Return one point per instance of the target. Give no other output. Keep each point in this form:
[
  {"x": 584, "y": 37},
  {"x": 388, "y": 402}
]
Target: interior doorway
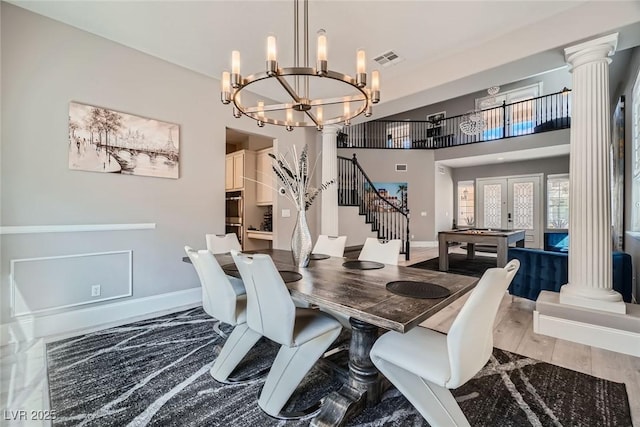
[{"x": 512, "y": 203}]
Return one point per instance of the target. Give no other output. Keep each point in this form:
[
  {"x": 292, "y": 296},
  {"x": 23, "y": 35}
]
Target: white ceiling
[
  {"x": 450, "y": 48},
  {"x": 429, "y": 35},
  {"x": 200, "y": 35}
]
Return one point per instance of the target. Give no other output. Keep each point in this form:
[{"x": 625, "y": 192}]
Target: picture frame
[
  {"x": 109, "y": 141},
  {"x": 396, "y": 193},
  {"x": 436, "y": 119}
]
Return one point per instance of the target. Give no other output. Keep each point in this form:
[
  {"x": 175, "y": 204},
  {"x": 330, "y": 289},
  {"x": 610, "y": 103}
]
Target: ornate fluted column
[
  {"x": 329, "y": 209},
  {"x": 590, "y": 281}
]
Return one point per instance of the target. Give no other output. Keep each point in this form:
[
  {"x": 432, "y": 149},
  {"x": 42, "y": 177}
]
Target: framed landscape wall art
[
  {"x": 395, "y": 192},
  {"x": 104, "y": 140}
]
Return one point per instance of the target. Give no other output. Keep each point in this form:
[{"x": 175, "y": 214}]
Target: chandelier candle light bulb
[
  {"x": 272, "y": 62},
  {"x": 369, "y": 111},
  {"x": 235, "y": 69},
  {"x": 322, "y": 53},
  {"x": 260, "y": 113},
  {"x": 226, "y": 87},
  {"x": 375, "y": 86},
  {"x": 236, "y": 113},
  {"x": 319, "y": 117},
  {"x": 289, "y": 119},
  {"x": 361, "y": 71},
  {"x": 347, "y": 112}
]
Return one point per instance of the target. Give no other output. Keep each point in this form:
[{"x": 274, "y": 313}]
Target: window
[
  {"x": 635, "y": 159},
  {"x": 399, "y": 135},
  {"x": 558, "y": 201},
  {"x": 520, "y": 112},
  {"x": 466, "y": 204}
]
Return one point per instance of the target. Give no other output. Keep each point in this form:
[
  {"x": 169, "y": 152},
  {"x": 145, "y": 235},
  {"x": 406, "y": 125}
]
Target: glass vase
[{"x": 301, "y": 240}]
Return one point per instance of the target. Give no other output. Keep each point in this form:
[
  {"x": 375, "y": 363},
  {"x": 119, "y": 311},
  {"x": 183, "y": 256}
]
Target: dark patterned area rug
[
  {"x": 156, "y": 373},
  {"x": 459, "y": 264}
]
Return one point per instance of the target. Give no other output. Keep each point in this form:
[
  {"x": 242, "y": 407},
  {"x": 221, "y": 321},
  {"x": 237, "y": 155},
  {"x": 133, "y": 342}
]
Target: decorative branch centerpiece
[{"x": 294, "y": 174}]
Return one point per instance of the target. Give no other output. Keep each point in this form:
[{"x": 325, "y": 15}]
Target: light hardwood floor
[
  {"x": 513, "y": 331},
  {"x": 24, "y": 384}
]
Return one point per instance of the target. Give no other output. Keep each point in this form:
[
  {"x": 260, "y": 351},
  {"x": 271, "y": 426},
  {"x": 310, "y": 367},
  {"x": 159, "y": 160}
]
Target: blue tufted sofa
[
  {"x": 542, "y": 270},
  {"x": 556, "y": 241}
]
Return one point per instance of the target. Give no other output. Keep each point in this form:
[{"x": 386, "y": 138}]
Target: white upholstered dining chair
[
  {"x": 222, "y": 243},
  {"x": 304, "y": 334},
  {"x": 424, "y": 364},
  {"x": 224, "y": 298},
  {"x": 330, "y": 245},
  {"x": 386, "y": 253}
]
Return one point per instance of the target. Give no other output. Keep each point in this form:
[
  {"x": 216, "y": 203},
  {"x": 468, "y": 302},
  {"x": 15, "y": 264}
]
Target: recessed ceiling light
[{"x": 500, "y": 158}]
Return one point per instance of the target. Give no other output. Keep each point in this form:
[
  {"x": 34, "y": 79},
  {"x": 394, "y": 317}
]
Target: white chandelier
[
  {"x": 474, "y": 123},
  {"x": 303, "y": 107}
]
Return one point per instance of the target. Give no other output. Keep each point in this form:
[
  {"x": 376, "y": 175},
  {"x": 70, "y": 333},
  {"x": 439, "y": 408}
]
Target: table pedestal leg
[
  {"x": 365, "y": 384},
  {"x": 502, "y": 252},
  {"x": 443, "y": 253},
  {"x": 471, "y": 250}
]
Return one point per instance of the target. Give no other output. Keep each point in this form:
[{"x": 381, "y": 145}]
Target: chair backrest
[
  {"x": 218, "y": 296},
  {"x": 330, "y": 245},
  {"x": 222, "y": 244},
  {"x": 270, "y": 309},
  {"x": 386, "y": 253},
  {"x": 470, "y": 339}
]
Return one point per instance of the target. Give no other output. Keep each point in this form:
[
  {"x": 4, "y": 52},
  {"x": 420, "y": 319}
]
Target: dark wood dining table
[{"x": 363, "y": 297}]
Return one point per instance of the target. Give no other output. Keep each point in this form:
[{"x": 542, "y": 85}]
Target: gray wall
[
  {"x": 546, "y": 166},
  {"x": 432, "y": 192},
  {"x": 380, "y": 167},
  {"x": 46, "y": 64},
  {"x": 353, "y": 225},
  {"x": 549, "y": 165},
  {"x": 552, "y": 82},
  {"x": 444, "y": 198}
]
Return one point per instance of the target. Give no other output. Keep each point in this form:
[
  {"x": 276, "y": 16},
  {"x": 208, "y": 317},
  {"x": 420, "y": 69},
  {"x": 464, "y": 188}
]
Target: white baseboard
[
  {"x": 424, "y": 244},
  {"x": 584, "y": 333},
  {"x": 31, "y": 327}
]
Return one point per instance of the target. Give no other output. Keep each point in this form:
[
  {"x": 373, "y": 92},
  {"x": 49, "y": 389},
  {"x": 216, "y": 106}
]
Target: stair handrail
[
  {"x": 394, "y": 209},
  {"x": 506, "y": 120},
  {"x": 500, "y": 107},
  {"x": 354, "y": 160}
]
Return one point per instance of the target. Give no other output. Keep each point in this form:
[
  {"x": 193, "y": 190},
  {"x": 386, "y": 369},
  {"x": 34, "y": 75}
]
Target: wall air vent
[
  {"x": 401, "y": 167},
  {"x": 388, "y": 58}
]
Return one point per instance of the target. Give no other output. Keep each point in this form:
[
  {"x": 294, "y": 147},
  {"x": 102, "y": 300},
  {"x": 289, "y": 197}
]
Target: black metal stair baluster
[
  {"x": 382, "y": 214},
  {"x": 502, "y": 121}
]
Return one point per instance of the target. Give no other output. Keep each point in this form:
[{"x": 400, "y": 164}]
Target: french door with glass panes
[{"x": 512, "y": 203}]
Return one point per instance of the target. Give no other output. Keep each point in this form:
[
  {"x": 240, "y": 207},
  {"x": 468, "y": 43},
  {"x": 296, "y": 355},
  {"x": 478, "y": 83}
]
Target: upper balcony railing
[{"x": 535, "y": 115}]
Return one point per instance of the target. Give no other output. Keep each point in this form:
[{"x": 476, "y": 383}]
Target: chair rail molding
[{"x": 71, "y": 228}]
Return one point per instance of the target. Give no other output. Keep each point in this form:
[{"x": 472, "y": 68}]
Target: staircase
[{"x": 388, "y": 219}]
